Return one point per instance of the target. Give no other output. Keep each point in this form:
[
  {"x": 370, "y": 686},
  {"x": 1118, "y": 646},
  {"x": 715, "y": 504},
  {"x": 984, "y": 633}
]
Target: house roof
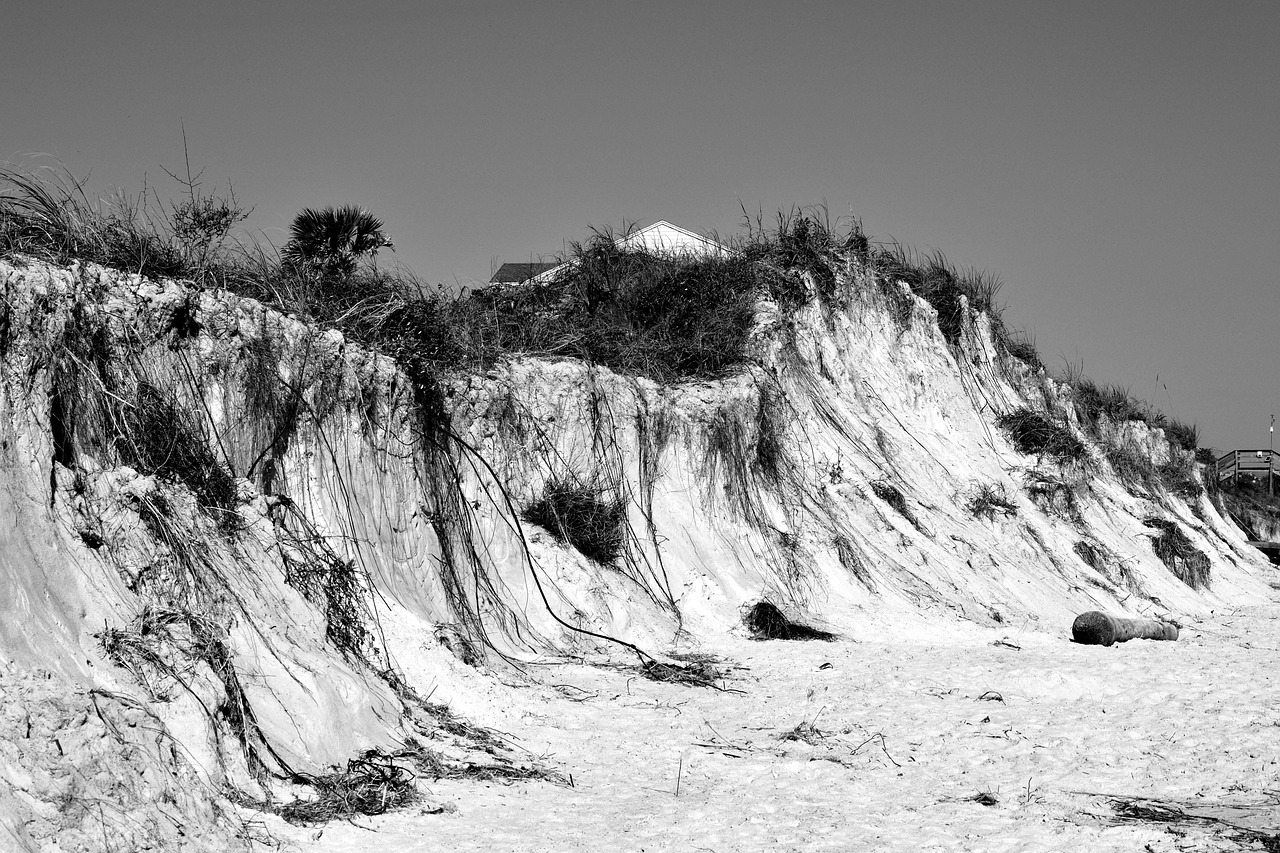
[
  {"x": 520, "y": 273},
  {"x": 659, "y": 238},
  {"x": 662, "y": 236}
]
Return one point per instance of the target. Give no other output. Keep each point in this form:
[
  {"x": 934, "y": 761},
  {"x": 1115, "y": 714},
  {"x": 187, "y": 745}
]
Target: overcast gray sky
[{"x": 1115, "y": 163}]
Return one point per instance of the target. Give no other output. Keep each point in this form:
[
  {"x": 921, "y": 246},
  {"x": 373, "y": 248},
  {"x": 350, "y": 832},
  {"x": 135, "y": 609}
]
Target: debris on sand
[
  {"x": 765, "y": 621},
  {"x": 1096, "y": 628}
]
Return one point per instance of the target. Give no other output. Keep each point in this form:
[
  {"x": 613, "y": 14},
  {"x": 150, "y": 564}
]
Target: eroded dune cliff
[{"x": 240, "y": 551}]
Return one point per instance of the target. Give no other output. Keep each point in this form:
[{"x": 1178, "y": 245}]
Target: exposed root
[
  {"x": 370, "y": 785},
  {"x": 697, "y": 673}
]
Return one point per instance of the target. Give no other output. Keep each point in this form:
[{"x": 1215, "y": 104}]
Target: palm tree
[{"x": 332, "y": 239}]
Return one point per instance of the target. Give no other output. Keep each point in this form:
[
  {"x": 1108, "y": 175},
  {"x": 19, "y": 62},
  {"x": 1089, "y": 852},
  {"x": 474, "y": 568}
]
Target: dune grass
[
  {"x": 1033, "y": 433},
  {"x": 1176, "y": 550},
  {"x": 581, "y": 516}
]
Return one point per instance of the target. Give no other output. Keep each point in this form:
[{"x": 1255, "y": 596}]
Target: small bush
[
  {"x": 765, "y": 621},
  {"x": 1032, "y": 432},
  {"x": 1187, "y": 562},
  {"x": 581, "y": 517}
]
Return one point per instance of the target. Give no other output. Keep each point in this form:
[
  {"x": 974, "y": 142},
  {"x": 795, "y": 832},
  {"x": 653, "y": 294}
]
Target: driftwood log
[{"x": 1102, "y": 629}]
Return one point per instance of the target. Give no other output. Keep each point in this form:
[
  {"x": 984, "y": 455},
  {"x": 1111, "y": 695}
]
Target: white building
[{"x": 660, "y": 238}]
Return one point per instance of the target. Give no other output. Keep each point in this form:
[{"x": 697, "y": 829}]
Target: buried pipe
[{"x": 1096, "y": 628}]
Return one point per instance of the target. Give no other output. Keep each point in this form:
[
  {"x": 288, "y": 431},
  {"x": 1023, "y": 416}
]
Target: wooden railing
[{"x": 1255, "y": 462}]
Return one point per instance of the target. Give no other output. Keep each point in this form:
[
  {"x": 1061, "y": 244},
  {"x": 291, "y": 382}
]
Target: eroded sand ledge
[{"x": 861, "y": 408}]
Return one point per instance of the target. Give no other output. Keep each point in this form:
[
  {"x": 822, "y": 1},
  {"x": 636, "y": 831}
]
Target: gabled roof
[
  {"x": 662, "y": 237},
  {"x": 659, "y": 238},
  {"x": 520, "y": 273}
]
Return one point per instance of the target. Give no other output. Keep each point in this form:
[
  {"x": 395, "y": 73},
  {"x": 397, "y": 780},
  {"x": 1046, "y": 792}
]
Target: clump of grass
[
  {"x": 850, "y": 559},
  {"x": 932, "y": 277},
  {"x": 1179, "y": 475},
  {"x": 582, "y": 517},
  {"x": 1022, "y": 346},
  {"x": 1207, "y": 456},
  {"x": 1187, "y": 562},
  {"x": 371, "y": 785},
  {"x": 157, "y": 437},
  {"x": 988, "y": 500},
  {"x": 660, "y": 316},
  {"x": 1092, "y": 556},
  {"x": 764, "y": 621},
  {"x": 804, "y": 242},
  {"x": 1182, "y": 435},
  {"x": 1133, "y": 466},
  {"x": 1096, "y": 403},
  {"x": 897, "y": 302},
  {"x": 892, "y": 495},
  {"x": 1093, "y": 401},
  {"x": 1031, "y": 432},
  {"x": 47, "y": 214},
  {"x": 1054, "y": 495}
]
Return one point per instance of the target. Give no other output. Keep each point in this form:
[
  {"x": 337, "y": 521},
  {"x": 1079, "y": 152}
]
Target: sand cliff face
[{"x": 274, "y": 621}]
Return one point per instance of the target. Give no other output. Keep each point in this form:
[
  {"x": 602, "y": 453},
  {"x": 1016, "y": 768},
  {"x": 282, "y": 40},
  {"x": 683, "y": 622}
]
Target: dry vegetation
[{"x": 1179, "y": 553}]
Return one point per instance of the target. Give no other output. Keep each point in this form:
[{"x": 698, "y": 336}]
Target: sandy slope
[
  {"x": 1060, "y": 726},
  {"x": 773, "y": 482}
]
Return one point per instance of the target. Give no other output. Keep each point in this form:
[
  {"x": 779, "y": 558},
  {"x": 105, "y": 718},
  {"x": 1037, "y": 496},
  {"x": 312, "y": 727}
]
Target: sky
[{"x": 1115, "y": 163}]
